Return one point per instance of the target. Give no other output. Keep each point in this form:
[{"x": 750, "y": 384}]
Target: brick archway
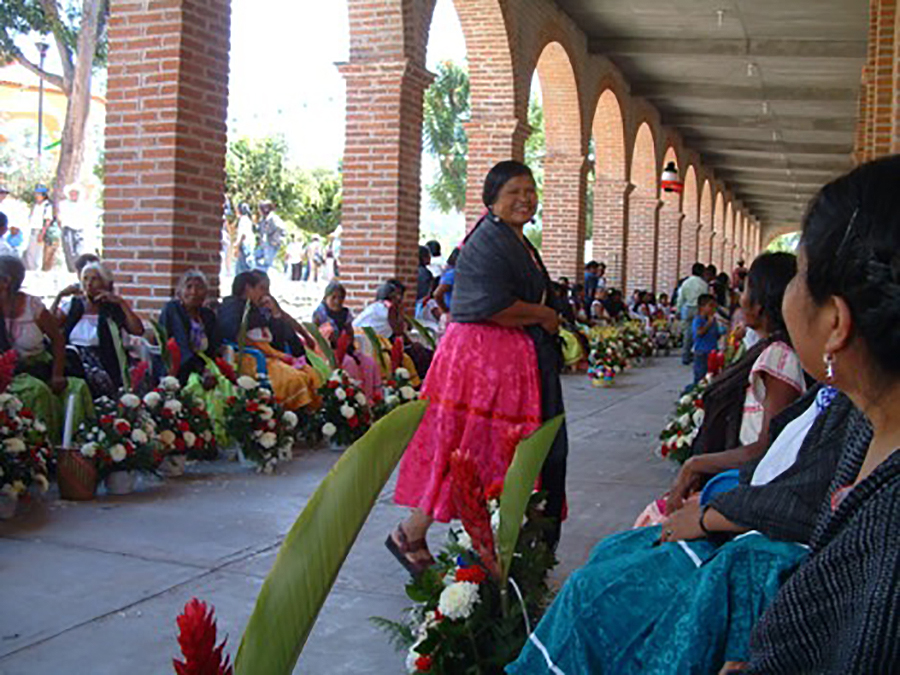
[
  {"x": 728, "y": 257},
  {"x": 643, "y": 212},
  {"x": 718, "y": 242},
  {"x": 565, "y": 166},
  {"x": 705, "y": 230},
  {"x": 611, "y": 187},
  {"x": 669, "y": 240},
  {"x": 691, "y": 206}
]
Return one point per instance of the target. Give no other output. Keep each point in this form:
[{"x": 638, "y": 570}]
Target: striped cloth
[{"x": 840, "y": 612}]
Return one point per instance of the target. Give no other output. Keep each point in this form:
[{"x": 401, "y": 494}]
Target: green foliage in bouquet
[
  {"x": 396, "y": 391},
  {"x": 264, "y": 430},
  {"x": 25, "y": 449},
  {"x": 677, "y": 438},
  {"x": 121, "y": 438},
  {"x": 344, "y": 416},
  {"x": 182, "y": 424}
]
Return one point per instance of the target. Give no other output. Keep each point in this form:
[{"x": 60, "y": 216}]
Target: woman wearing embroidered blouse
[
  {"x": 41, "y": 382},
  {"x": 495, "y": 376},
  {"x": 839, "y": 612},
  {"x": 89, "y": 318}
]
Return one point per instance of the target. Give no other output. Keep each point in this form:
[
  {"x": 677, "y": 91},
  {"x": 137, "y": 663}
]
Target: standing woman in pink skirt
[{"x": 495, "y": 377}]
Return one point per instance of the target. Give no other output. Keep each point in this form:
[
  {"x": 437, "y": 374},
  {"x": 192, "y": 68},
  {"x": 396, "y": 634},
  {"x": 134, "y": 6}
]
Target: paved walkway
[{"x": 94, "y": 588}]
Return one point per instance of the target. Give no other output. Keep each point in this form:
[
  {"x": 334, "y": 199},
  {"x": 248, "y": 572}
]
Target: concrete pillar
[
  {"x": 565, "y": 178},
  {"x": 669, "y": 248},
  {"x": 165, "y": 144},
  {"x": 382, "y": 168},
  {"x": 643, "y": 229},
  {"x": 611, "y": 228}
]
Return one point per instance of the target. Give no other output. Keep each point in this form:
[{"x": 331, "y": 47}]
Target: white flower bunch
[
  {"x": 130, "y": 400},
  {"x": 170, "y": 383},
  {"x": 458, "y": 600},
  {"x": 328, "y": 430},
  {"x": 247, "y": 382},
  {"x": 152, "y": 399},
  {"x": 289, "y": 418}
]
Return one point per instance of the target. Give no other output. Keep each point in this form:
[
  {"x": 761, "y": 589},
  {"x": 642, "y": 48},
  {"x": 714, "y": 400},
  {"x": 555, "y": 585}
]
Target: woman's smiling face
[{"x": 517, "y": 201}]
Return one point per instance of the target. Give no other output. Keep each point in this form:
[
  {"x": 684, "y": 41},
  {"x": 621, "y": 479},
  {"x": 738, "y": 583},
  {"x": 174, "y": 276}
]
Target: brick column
[
  {"x": 718, "y": 250},
  {"x": 611, "y": 228},
  {"x": 381, "y": 173},
  {"x": 704, "y": 243},
  {"x": 565, "y": 178},
  {"x": 643, "y": 229},
  {"x": 882, "y": 73},
  {"x": 689, "y": 232},
  {"x": 167, "y": 99},
  {"x": 669, "y": 253},
  {"x": 490, "y": 141}
]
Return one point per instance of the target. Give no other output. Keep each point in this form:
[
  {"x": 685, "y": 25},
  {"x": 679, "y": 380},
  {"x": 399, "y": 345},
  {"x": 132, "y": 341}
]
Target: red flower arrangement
[{"x": 468, "y": 497}]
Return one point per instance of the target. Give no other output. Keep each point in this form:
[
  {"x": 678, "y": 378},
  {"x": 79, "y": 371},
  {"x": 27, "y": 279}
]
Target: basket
[{"x": 76, "y": 475}]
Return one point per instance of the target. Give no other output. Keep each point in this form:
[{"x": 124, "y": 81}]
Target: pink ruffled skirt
[{"x": 484, "y": 397}]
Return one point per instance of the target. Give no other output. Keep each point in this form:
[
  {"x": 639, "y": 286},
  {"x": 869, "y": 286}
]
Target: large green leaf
[
  {"x": 518, "y": 486},
  {"x": 319, "y": 365},
  {"x": 162, "y": 339},
  {"x": 324, "y": 345},
  {"x": 314, "y": 550},
  {"x": 424, "y": 331},
  {"x": 377, "y": 349},
  {"x": 121, "y": 357}
]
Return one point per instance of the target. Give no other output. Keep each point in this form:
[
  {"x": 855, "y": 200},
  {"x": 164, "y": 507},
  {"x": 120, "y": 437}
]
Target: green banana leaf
[
  {"x": 319, "y": 365},
  {"x": 242, "y": 334},
  {"x": 162, "y": 339},
  {"x": 518, "y": 486},
  {"x": 324, "y": 345},
  {"x": 425, "y": 332},
  {"x": 377, "y": 349},
  {"x": 120, "y": 354},
  {"x": 315, "y": 548}
]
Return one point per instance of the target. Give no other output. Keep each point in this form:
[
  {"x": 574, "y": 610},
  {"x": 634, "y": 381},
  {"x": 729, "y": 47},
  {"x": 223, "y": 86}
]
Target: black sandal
[{"x": 404, "y": 548}]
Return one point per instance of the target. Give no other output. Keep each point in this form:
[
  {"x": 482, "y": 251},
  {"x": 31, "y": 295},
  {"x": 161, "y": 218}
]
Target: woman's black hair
[
  {"x": 768, "y": 278},
  {"x": 851, "y": 238},
  {"x": 499, "y": 176},
  {"x": 334, "y": 286},
  {"x": 424, "y": 255},
  {"x": 244, "y": 280},
  {"x": 454, "y": 256},
  {"x": 388, "y": 288}
]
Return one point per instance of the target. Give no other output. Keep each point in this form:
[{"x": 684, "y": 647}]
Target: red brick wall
[
  {"x": 610, "y": 242},
  {"x": 643, "y": 227},
  {"x": 165, "y": 143},
  {"x": 878, "y": 127},
  {"x": 565, "y": 177},
  {"x": 669, "y": 248}
]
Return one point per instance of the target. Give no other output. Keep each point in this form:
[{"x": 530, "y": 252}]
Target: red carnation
[
  {"x": 252, "y": 406},
  {"x": 183, "y": 425},
  {"x": 353, "y": 422},
  {"x": 123, "y": 427},
  {"x": 231, "y": 400},
  {"x": 26, "y": 413},
  {"x": 197, "y": 640},
  {"x": 106, "y": 419},
  {"x": 392, "y": 384},
  {"x": 351, "y": 391},
  {"x": 180, "y": 445},
  {"x": 167, "y": 413},
  {"x": 474, "y": 574},
  {"x": 331, "y": 384},
  {"x": 423, "y": 664}
]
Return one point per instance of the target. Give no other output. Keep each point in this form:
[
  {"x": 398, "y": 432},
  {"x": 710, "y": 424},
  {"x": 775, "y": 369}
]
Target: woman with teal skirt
[
  {"x": 40, "y": 381},
  {"x": 193, "y": 327}
]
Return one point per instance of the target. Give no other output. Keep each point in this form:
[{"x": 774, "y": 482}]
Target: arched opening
[
  {"x": 564, "y": 166},
  {"x": 669, "y": 246},
  {"x": 704, "y": 232},
  {"x": 611, "y": 187},
  {"x": 718, "y": 246},
  {"x": 690, "y": 205},
  {"x": 787, "y": 242},
  {"x": 643, "y": 212}
]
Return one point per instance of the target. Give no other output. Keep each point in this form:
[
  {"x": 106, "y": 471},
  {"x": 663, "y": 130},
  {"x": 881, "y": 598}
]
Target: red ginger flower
[
  {"x": 138, "y": 373},
  {"x": 495, "y": 490},
  {"x": 8, "y": 360},
  {"x": 226, "y": 369},
  {"x": 343, "y": 344},
  {"x": 467, "y": 493},
  {"x": 396, "y": 354},
  {"x": 175, "y": 354},
  {"x": 198, "y": 642}
]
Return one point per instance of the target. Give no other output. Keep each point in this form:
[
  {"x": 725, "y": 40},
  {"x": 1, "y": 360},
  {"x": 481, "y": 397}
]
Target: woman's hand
[
  {"x": 58, "y": 384},
  {"x": 687, "y": 481},
  {"x": 684, "y": 524},
  {"x": 71, "y": 289},
  {"x": 550, "y": 320},
  {"x": 732, "y": 666},
  {"x": 109, "y": 297}
]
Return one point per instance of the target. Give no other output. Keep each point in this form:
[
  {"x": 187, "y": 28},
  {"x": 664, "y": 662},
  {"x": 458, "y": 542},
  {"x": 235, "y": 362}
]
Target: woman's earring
[{"x": 829, "y": 367}]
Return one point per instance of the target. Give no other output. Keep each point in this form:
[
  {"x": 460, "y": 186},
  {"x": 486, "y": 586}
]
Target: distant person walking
[
  {"x": 39, "y": 220},
  {"x": 271, "y": 233},
  {"x": 74, "y": 217},
  {"x": 688, "y": 295}
]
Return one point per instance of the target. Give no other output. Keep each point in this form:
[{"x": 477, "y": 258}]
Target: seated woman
[
  {"x": 774, "y": 380},
  {"x": 88, "y": 319},
  {"x": 333, "y": 319},
  {"x": 443, "y": 294},
  {"x": 294, "y": 384},
  {"x": 384, "y": 316},
  {"x": 193, "y": 327},
  {"x": 40, "y": 381},
  {"x": 682, "y": 598},
  {"x": 838, "y": 613}
]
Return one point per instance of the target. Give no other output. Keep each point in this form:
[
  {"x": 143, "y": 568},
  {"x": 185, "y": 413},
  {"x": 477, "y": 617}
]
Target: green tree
[
  {"x": 786, "y": 243},
  {"x": 535, "y": 151},
  {"x": 79, "y": 35},
  {"x": 446, "y": 108}
]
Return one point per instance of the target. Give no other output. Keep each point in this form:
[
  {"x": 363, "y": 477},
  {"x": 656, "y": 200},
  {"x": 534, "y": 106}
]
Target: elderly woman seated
[
  {"x": 294, "y": 382},
  {"x": 89, "y": 317},
  {"x": 333, "y": 320},
  {"x": 40, "y": 381},
  {"x": 385, "y": 317}
]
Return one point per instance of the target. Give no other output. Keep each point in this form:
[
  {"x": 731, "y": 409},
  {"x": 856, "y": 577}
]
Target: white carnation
[
  {"x": 698, "y": 416},
  {"x": 42, "y": 482},
  {"x": 167, "y": 437},
  {"x": 328, "y": 430},
  {"x": 347, "y": 411},
  {"x": 340, "y": 394},
  {"x": 284, "y": 453},
  {"x": 391, "y": 401},
  {"x": 40, "y": 426},
  {"x": 139, "y": 436},
  {"x": 681, "y": 442},
  {"x": 170, "y": 383},
  {"x": 458, "y": 600},
  {"x": 684, "y": 421},
  {"x": 268, "y": 440},
  {"x": 360, "y": 398},
  {"x": 152, "y": 399},
  {"x": 89, "y": 449},
  {"x": 207, "y": 435},
  {"x": 247, "y": 382},
  {"x": 174, "y": 405},
  {"x": 130, "y": 400},
  {"x": 408, "y": 393},
  {"x": 265, "y": 412},
  {"x": 189, "y": 439},
  {"x": 464, "y": 540},
  {"x": 402, "y": 373},
  {"x": 14, "y": 445},
  {"x": 685, "y": 400},
  {"x": 118, "y": 452},
  {"x": 290, "y": 419}
]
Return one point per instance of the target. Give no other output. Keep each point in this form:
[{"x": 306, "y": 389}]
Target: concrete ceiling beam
[
  {"x": 725, "y": 146},
  {"x": 760, "y": 48},
  {"x": 755, "y": 92},
  {"x": 785, "y": 123},
  {"x": 796, "y": 165}
]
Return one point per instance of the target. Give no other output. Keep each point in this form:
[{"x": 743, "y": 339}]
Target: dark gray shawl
[
  {"x": 840, "y": 611},
  {"x": 787, "y": 507}
]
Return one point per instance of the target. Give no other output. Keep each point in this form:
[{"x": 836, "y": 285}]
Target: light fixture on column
[
  {"x": 670, "y": 182},
  {"x": 751, "y": 70}
]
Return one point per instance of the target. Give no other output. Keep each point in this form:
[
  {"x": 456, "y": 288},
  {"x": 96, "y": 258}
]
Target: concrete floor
[{"x": 94, "y": 588}]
